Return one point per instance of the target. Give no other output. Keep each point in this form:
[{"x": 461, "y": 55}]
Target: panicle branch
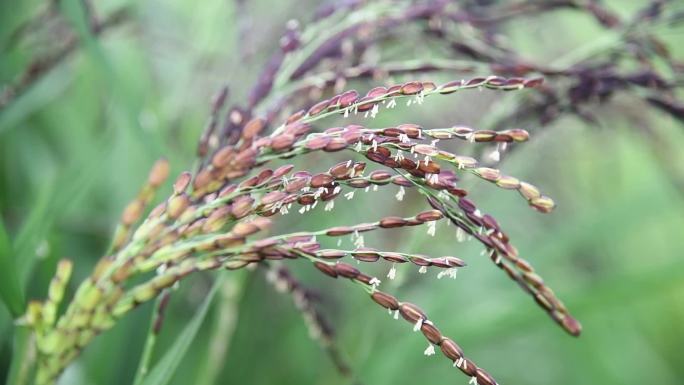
[
  {"x": 212, "y": 218},
  {"x": 320, "y": 328}
]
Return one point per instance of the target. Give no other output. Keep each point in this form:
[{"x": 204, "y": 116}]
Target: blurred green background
[{"x": 77, "y": 145}]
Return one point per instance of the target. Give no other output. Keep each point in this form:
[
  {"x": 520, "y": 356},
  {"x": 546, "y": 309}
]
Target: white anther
[
  {"x": 392, "y": 272},
  {"x": 432, "y": 228},
  {"x": 400, "y": 194},
  {"x": 430, "y": 350},
  {"x": 374, "y": 111},
  {"x": 495, "y": 155},
  {"x": 418, "y": 324},
  {"x": 451, "y": 273}
]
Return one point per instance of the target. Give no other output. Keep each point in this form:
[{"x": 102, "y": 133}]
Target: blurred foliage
[{"x": 76, "y": 146}]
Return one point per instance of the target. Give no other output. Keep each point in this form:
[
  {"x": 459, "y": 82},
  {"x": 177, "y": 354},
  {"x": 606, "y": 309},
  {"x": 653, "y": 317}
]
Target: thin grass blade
[{"x": 162, "y": 373}]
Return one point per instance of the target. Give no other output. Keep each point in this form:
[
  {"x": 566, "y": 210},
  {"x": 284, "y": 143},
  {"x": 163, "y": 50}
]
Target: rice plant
[{"x": 251, "y": 171}]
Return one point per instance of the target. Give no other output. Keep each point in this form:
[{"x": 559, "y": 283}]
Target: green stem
[
  {"x": 23, "y": 357},
  {"x": 151, "y": 340}
]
